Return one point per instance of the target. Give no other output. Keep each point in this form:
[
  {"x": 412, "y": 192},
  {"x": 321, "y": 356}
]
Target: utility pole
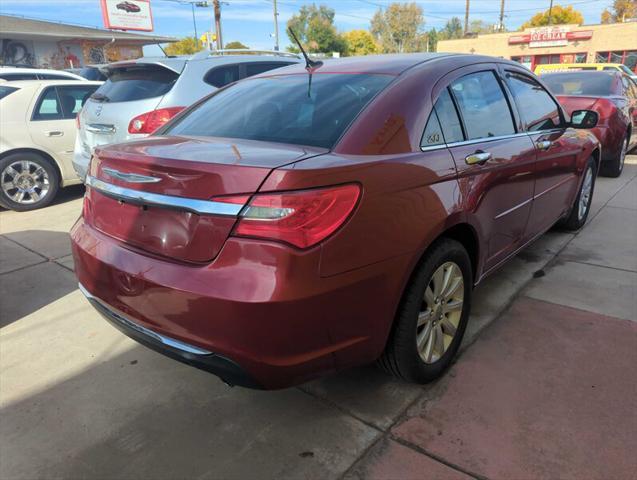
[
  {"x": 276, "y": 27},
  {"x": 217, "y": 10},
  {"x": 501, "y": 26},
  {"x": 550, "y": 12},
  {"x": 194, "y": 23},
  {"x": 466, "y": 18}
]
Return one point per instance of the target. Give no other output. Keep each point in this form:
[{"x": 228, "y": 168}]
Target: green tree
[
  {"x": 559, "y": 16},
  {"x": 432, "y": 40},
  {"x": 480, "y": 26},
  {"x": 621, "y": 11},
  {"x": 314, "y": 26},
  {"x": 236, "y": 45},
  {"x": 452, "y": 29},
  {"x": 398, "y": 28},
  {"x": 360, "y": 42},
  {"x": 185, "y": 46}
]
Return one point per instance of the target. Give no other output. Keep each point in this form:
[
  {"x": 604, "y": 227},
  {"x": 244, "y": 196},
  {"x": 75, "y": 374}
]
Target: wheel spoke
[
  {"x": 423, "y": 336},
  {"x": 429, "y": 347},
  {"x": 438, "y": 279},
  {"x": 6, "y": 186},
  {"x": 440, "y": 342},
  {"x": 452, "y": 306},
  {"x": 423, "y": 317},
  {"x": 35, "y": 196},
  {"x": 448, "y": 328},
  {"x": 429, "y": 296},
  {"x": 12, "y": 172},
  {"x": 18, "y": 196},
  {"x": 453, "y": 286},
  {"x": 26, "y": 166}
]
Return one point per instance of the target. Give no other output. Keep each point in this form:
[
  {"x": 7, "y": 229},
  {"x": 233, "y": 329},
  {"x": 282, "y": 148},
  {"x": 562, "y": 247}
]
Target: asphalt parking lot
[{"x": 546, "y": 385}]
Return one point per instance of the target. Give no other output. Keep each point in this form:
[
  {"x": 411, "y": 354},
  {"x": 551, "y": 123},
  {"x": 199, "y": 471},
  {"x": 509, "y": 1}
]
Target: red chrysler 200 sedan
[
  {"x": 305, "y": 221},
  {"x": 613, "y": 95}
]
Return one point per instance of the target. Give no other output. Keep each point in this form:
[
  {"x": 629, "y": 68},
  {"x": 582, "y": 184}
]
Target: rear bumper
[
  {"x": 80, "y": 161},
  {"x": 224, "y": 368},
  {"x": 260, "y": 315}
]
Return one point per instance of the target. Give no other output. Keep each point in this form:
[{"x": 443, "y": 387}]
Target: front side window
[
  {"x": 72, "y": 99},
  {"x": 283, "y": 109},
  {"x": 483, "y": 106},
  {"x": 48, "y": 107},
  {"x": 534, "y": 103}
]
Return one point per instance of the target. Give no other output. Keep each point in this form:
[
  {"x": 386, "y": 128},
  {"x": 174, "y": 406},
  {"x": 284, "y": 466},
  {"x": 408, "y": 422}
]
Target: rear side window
[
  {"x": 72, "y": 99},
  {"x": 53, "y": 76},
  {"x": 254, "y": 68},
  {"x": 283, "y": 109},
  {"x": 483, "y": 106},
  {"x": 18, "y": 76},
  {"x": 4, "y": 91},
  {"x": 534, "y": 103},
  {"x": 92, "y": 73},
  {"x": 127, "y": 84},
  {"x": 48, "y": 106},
  {"x": 443, "y": 124},
  {"x": 222, "y": 76}
]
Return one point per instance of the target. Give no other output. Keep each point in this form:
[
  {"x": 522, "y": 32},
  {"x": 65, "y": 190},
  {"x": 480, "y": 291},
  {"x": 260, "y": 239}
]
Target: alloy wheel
[
  {"x": 440, "y": 313},
  {"x": 585, "y": 194},
  {"x": 25, "y": 182}
]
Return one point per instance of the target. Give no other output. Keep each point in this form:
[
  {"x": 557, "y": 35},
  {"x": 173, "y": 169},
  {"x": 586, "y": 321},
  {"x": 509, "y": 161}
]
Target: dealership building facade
[
  {"x": 38, "y": 43},
  {"x": 609, "y": 43}
]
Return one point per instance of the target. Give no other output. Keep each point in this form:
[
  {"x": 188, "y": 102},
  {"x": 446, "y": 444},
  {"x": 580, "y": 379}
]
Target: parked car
[
  {"x": 91, "y": 72},
  {"x": 128, "y": 7},
  {"x": 141, "y": 95},
  {"x": 37, "y": 134},
  {"x": 614, "y": 97},
  {"x": 570, "y": 67},
  {"x": 11, "y": 74},
  {"x": 332, "y": 218}
]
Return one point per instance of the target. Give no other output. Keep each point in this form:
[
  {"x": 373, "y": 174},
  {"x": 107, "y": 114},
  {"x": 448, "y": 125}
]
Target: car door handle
[
  {"x": 54, "y": 133},
  {"x": 543, "y": 144},
  {"x": 478, "y": 158}
]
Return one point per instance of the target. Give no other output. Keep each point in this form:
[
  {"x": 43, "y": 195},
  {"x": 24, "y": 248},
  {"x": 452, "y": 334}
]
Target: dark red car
[
  {"x": 613, "y": 95},
  {"x": 128, "y": 7},
  {"x": 296, "y": 224}
]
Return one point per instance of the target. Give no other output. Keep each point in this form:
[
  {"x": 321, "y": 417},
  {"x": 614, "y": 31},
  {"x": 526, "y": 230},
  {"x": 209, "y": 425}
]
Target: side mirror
[{"x": 584, "y": 119}]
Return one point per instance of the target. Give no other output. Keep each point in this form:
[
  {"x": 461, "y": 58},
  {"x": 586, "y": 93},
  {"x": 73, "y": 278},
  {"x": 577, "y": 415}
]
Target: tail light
[
  {"x": 301, "y": 218},
  {"x": 150, "y": 121}
]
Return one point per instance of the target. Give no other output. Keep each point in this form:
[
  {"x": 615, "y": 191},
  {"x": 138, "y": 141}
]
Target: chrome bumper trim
[
  {"x": 201, "y": 207},
  {"x": 171, "y": 342}
]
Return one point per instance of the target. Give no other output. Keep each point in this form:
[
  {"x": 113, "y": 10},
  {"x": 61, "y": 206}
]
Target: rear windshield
[
  {"x": 92, "y": 73},
  {"x": 284, "y": 109},
  {"x": 4, "y": 91},
  {"x": 579, "y": 83},
  {"x": 126, "y": 84}
]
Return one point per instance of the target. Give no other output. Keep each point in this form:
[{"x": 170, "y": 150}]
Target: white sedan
[{"x": 37, "y": 135}]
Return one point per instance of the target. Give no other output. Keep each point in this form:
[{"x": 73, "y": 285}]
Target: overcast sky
[{"x": 250, "y": 21}]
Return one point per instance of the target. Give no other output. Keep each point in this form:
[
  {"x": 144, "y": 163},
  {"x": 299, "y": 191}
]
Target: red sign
[
  {"x": 550, "y": 37},
  {"x": 127, "y": 15}
]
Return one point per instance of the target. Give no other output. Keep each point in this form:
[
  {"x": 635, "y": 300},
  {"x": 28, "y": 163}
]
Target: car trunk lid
[{"x": 155, "y": 194}]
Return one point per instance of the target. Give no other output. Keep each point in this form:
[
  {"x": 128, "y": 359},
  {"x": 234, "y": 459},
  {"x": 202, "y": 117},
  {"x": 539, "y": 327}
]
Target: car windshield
[
  {"x": 283, "y": 109},
  {"x": 580, "y": 83}
]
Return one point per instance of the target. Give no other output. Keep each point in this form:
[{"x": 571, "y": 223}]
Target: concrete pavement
[{"x": 545, "y": 386}]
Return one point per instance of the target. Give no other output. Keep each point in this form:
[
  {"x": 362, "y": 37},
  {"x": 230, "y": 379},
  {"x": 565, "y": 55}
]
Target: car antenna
[{"x": 309, "y": 63}]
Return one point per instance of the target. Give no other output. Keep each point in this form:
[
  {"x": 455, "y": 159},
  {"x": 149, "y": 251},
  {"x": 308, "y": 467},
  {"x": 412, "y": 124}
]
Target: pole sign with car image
[{"x": 127, "y": 15}]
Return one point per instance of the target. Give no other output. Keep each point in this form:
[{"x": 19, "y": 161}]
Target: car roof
[{"x": 29, "y": 83}]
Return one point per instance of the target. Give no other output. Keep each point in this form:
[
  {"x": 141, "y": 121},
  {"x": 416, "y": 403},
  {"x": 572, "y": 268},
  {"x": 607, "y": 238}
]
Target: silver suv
[{"x": 141, "y": 95}]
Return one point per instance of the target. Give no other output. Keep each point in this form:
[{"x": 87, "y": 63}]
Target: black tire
[
  {"x": 613, "y": 168},
  {"x": 7, "y": 198},
  {"x": 401, "y": 357},
  {"x": 575, "y": 221}
]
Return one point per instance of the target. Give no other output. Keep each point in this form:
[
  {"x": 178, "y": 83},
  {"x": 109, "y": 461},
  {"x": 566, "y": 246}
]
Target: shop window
[{"x": 627, "y": 57}]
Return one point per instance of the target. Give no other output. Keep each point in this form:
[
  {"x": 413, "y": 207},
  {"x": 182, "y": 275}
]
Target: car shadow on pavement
[{"x": 32, "y": 279}]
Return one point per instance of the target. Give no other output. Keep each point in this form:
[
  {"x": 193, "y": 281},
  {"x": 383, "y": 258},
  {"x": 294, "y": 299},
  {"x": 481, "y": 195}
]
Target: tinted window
[
  {"x": 126, "y": 84},
  {"x": 48, "y": 107},
  {"x": 72, "y": 99},
  {"x": 433, "y": 132},
  {"x": 534, "y": 103},
  {"x": 18, "y": 76},
  {"x": 448, "y": 117},
  {"x": 259, "y": 67},
  {"x": 222, "y": 76},
  {"x": 53, "y": 76},
  {"x": 580, "y": 83},
  {"x": 283, "y": 109},
  {"x": 4, "y": 91},
  {"x": 483, "y": 106}
]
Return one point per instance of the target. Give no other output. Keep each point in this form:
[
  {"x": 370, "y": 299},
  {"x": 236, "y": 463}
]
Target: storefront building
[
  {"x": 37, "y": 43},
  {"x": 613, "y": 43}
]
